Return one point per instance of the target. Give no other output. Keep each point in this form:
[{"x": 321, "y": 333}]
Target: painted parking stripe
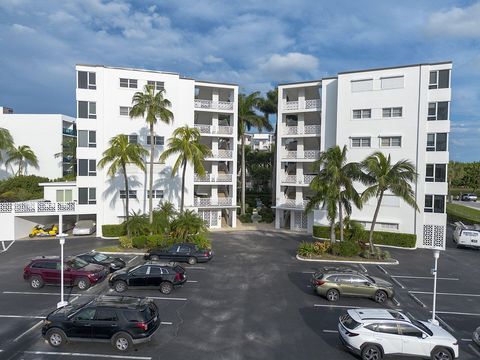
[
  {"x": 331, "y": 331},
  {"x": 308, "y": 272},
  {"x": 41, "y": 293},
  {"x": 362, "y": 267},
  {"x": 457, "y": 313},
  {"x": 26, "y": 332},
  {"x": 442, "y": 293},
  {"x": 87, "y": 355},
  {"x": 166, "y": 323},
  {"x": 192, "y": 281},
  {"x": 467, "y": 340},
  {"x": 166, "y": 298},
  {"x": 383, "y": 270},
  {"x": 22, "y": 316},
  {"x": 195, "y": 267},
  {"x": 129, "y": 261},
  {"x": 422, "y": 277},
  {"x": 337, "y": 306},
  {"x": 474, "y": 350},
  {"x": 397, "y": 282}
]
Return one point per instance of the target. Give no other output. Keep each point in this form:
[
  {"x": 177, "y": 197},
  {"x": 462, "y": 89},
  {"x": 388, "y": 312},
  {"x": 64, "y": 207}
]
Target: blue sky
[{"x": 249, "y": 42}]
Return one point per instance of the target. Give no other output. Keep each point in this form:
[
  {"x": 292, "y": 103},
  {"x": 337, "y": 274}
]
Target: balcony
[
  {"x": 213, "y": 105},
  {"x": 33, "y": 207},
  {"x": 212, "y": 178},
  {"x": 293, "y": 203},
  {"x": 310, "y": 104},
  {"x": 214, "y": 130},
  {"x": 306, "y": 130},
  {"x": 69, "y": 132},
  {"x": 301, "y": 155},
  {"x": 289, "y": 179},
  {"x": 226, "y": 201},
  {"x": 221, "y": 154}
]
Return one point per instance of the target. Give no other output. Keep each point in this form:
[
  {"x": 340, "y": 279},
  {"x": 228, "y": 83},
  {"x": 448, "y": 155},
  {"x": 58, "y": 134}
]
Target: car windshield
[
  {"x": 419, "y": 325},
  {"x": 76, "y": 263},
  {"x": 100, "y": 257}
]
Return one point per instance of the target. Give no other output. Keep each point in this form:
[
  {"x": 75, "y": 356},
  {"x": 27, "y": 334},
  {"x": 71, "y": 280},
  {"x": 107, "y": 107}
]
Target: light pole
[
  {"x": 436, "y": 255},
  {"x": 62, "y": 302}
]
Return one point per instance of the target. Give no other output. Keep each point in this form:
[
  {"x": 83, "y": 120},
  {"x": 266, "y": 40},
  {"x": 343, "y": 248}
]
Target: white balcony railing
[
  {"x": 213, "y": 105},
  {"x": 226, "y": 201},
  {"x": 301, "y": 155},
  {"x": 306, "y": 130},
  {"x": 289, "y": 179},
  {"x": 307, "y": 179},
  {"x": 290, "y": 105},
  {"x": 221, "y": 154},
  {"x": 205, "y": 178},
  {"x": 209, "y": 129},
  {"x": 313, "y": 104},
  {"x": 293, "y": 203},
  {"x": 309, "y": 104},
  {"x": 212, "y": 178},
  {"x": 311, "y": 129},
  {"x": 224, "y": 177},
  {"x": 34, "y": 207}
]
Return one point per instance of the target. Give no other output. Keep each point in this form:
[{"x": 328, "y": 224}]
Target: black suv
[
  {"x": 149, "y": 275},
  {"x": 94, "y": 257},
  {"x": 121, "y": 320},
  {"x": 183, "y": 252}
]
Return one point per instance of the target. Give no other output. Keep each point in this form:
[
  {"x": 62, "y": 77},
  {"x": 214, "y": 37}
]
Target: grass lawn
[{"x": 463, "y": 213}]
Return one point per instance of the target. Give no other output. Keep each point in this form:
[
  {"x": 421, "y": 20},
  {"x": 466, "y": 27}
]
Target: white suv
[{"x": 373, "y": 333}]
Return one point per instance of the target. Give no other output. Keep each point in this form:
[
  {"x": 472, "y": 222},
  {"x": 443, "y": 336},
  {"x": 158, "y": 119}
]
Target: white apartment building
[
  {"x": 37, "y": 130},
  {"x": 402, "y": 111},
  {"x": 260, "y": 141}
]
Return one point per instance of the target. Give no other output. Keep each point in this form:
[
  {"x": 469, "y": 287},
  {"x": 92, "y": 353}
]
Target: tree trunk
[
  {"x": 152, "y": 150},
  {"x": 243, "y": 175},
  {"x": 127, "y": 197},
  {"x": 20, "y": 168},
  {"x": 340, "y": 219},
  {"x": 377, "y": 209},
  {"x": 332, "y": 232},
  {"x": 183, "y": 185}
]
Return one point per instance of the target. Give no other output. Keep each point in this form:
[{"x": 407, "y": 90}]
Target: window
[
  {"x": 45, "y": 265},
  {"x": 133, "y": 139},
  {"x": 157, "y": 85},
  {"x": 85, "y": 314},
  {"x": 87, "y": 110},
  {"x": 437, "y": 142},
  {"x": 439, "y": 79},
  {"x": 87, "y": 167},
  {"x": 64, "y": 195},
  {"x": 438, "y": 110},
  {"x": 361, "y": 142},
  {"x": 392, "y": 112},
  {"x": 387, "y": 328},
  {"x": 155, "y": 270},
  {"x": 362, "y": 85},
  {"x": 105, "y": 315},
  {"x": 87, "y": 138},
  {"x": 436, "y": 173},
  {"x": 132, "y": 194},
  {"x": 125, "y": 110},
  {"x": 344, "y": 279},
  {"x": 159, "y": 140},
  {"x": 362, "y": 114},
  {"x": 391, "y": 141},
  {"x": 157, "y": 194},
  {"x": 435, "y": 203},
  {"x": 128, "y": 83},
  {"x": 87, "y": 196},
  {"x": 392, "y": 82},
  {"x": 409, "y": 330},
  {"x": 142, "y": 270},
  {"x": 87, "y": 80}
]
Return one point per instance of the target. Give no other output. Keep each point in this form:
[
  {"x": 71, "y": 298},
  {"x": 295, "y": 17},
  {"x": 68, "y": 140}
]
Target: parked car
[
  {"x": 335, "y": 282},
  {"x": 469, "y": 197},
  {"x": 77, "y": 272},
  {"x": 120, "y": 320},
  {"x": 476, "y": 336},
  {"x": 375, "y": 333},
  {"x": 182, "y": 252},
  {"x": 466, "y": 235},
  {"x": 109, "y": 262},
  {"x": 84, "y": 227},
  {"x": 149, "y": 275}
]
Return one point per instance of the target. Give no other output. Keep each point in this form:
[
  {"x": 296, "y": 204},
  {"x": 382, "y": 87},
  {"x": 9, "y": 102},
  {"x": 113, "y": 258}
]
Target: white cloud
[
  {"x": 289, "y": 67},
  {"x": 210, "y": 59},
  {"x": 22, "y": 29},
  {"x": 456, "y": 22}
]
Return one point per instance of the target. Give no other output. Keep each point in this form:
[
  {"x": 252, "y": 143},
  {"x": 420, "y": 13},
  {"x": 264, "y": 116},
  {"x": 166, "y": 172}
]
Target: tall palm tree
[
  {"x": 119, "y": 155},
  {"x": 22, "y": 155},
  {"x": 334, "y": 186},
  {"x": 248, "y": 118},
  {"x": 69, "y": 153},
  {"x": 6, "y": 140},
  {"x": 381, "y": 176},
  {"x": 186, "y": 143},
  {"x": 152, "y": 106}
]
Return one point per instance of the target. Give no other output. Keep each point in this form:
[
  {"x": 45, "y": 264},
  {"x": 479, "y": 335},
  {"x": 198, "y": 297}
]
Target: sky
[{"x": 256, "y": 44}]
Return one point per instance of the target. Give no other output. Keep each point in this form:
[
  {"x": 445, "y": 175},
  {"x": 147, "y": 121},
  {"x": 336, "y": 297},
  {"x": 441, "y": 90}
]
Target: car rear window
[
  {"x": 179, "y": 269},
  {"x": 145, "y": 314},
  {"x": 348, "y": 322}
]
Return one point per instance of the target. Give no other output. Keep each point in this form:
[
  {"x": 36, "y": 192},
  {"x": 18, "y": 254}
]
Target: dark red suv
[{"x": 76, "y": 272}]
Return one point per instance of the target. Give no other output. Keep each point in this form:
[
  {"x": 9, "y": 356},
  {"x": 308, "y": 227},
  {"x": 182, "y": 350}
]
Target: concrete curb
[
  {"x": 349, "y": 261},
  {"x": 385, "y": 246},
  {"x": 122, "y": 253},
  {"x": 109, "y": 238}
]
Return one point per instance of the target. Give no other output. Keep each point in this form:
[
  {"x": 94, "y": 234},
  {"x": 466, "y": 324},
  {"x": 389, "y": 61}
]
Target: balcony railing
[
  {"x": 307, "y": 179},
  {"x": 307, "y": 130},
  {"x": 209, "y": 129},
  {"x": 310, "y": 104},
  {"x": 289, "y": 179},
  {"x": 213, "y": 105},
  {"x": 313, "y": 104},
  {"x": 307, "y": 154},
  {"x": 33, "y": 207},
  {"x": 221, "y": 154},
  {"x": 212, "y": 178},
  {"x": 226, "y": 201},
  {"x": 293, "y": 203},
  {"x": 71, "y": 132}
]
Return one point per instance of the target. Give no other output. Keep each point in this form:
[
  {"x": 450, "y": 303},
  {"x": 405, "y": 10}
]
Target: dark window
[
  {"x": 438, "y": 110},
  {"x": 428, "y": 203},
  {"x": 159, "y": 140},
  {"x": 157, "y": 85},
  {"x": 142, "y": 270},
  {"x": 429, "y": 173},
  {"x": 132, "y": 194},
  {"x": 344, "y": 279},
  {"x": 443, "y": 79},
  {"x": 349, "y": 323},
  {"x": 184, "y": 249},
  {"x": 133, "y": 139},
  {"x": 87, "y": 138},
  {"x": 128, "y": 83},
  {"x": 157, "y": 194},
  {"x": 82, "y": 79},
  {"x": 433, "y": 79},
  {"x": 155, "y": 270},
  {"x": 409, "y": 330},
  {"x": 87, "y": 196},
  {"x": 106, "y": 315},
  {"x": 45, "y": 265},
  {"x": 83, "y": 109},
  {"x": 86, "y": 314},
  {"x": 388, "y": 328},
  {"x": 441, "y": 142},
  {"x": 439, "y": 204},
  {"x": 87, "y": 167},
  {"x": 440, "y": 172}
]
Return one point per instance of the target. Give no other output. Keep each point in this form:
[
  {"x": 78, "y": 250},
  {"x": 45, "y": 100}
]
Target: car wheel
[
  {"x": 36, "y": 282},
  {"x": 381, "y": 296},
  {"x": 56, "y": 337},
  {"x": 120, "y": 286},
  {"x": 83, "y": 284},
  {"x": 154, "y": 257},
  {"x": 166, "y": 287},
  {"x": 371, "y": 352},
  {"x": 441, "y": 354},
  {"x": 192, "y": 260},
  {"x": 333, "y": 295},
  {"x": 122, "y": 341}
]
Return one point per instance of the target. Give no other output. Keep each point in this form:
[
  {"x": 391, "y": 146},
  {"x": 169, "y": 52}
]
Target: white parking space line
[
  {"x": 330, "y": 331},
  {"x": 383, "y": 270},
  {"x": 166, "y": 323},
  {"x": 417, "y": 300},
  {"x": 192, "y": 281},
  {"x": 396, "y": 302},
  {"x": 397, "y": 282},
  {"x": 457, "y": 313},
  {"x": 40, "y": 293},
  {"x": 308, "y": 272},
  {"x": 422, "y": 277},
  {"x": 442, "y": 293},
  {"x": 78, "y": 295},
  {"x": 474, "y": 350},
  {"x": 362, "y": 267},
  {"x": 129, "y": 261},
  {"x": 337, "y": 306},
  {"x": 195, "y": 267},
  {"x": 22, "y": 316},
  {"x": 87, "y": 355},
  {"x": 467, "y": 340},
  {"x": 166, "y": 298},
  {"x": 26, "y": 332}
]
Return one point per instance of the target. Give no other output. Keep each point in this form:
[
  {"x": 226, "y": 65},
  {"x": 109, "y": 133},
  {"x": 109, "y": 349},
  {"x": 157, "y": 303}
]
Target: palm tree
[
  {"x": 186, "y": 143},
  {"x": 187, "y": 223},
  {"x": 119, "y": 155},
  {"x": 153, "y": 107},
  {"x": 6, "y": 140},
  {"x": 269, "y": 104},
  {"x": 69, "y": 153},
  {"x": 248, "y": 118},
  {"x": 381, "y": 176},
  {"x": 334, "y": 186},
  {"x": 22, "y": 155}
]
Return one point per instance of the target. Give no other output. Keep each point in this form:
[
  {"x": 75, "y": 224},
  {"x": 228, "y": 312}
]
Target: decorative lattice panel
[{"x": 433, "y": 236}]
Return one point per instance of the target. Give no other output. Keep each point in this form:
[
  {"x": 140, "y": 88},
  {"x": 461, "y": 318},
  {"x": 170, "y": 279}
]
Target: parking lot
[{"x": 252, "y": 301}]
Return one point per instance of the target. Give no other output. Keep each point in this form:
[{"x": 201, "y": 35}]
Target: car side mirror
[{"x": 424, "y": 336}]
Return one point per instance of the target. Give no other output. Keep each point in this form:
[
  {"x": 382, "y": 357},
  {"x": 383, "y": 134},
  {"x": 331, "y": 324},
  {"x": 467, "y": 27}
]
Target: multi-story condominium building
[
  {"x": 402, "y": 111},
  {"x": 260, "y": 141},
  {"x": 45, "y": 134}
]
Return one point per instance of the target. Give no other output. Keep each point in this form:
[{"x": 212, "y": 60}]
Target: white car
[
  {"x": 467, "y": 235},
  {"x": 373, "y": 333},
  {"x": 84, "y": 227}
]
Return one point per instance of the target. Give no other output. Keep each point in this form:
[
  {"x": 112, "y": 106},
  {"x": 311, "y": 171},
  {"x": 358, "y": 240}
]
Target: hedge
[
  {"x": 379, "y": 237},
  {"x": 465, "y": 214},
  {"x": 114, "y": 230}
]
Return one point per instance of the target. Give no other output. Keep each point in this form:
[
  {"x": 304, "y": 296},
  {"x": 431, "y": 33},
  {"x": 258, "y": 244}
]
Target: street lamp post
[
  {"x": 436, "y": 255},
  {"x": 62, "y": 302}
]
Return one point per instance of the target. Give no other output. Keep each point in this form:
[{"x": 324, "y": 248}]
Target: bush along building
[{"x": 400, "y": 111}]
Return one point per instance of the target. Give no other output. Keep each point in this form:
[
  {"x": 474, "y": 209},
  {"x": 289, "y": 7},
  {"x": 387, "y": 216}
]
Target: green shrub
[
  {"x": 138, "y": 224},
  {"x": 139, "y": 241},
  {"x": 346, "y": 248},
  {"x": 126, "y": 242},
  {"x": 22, "y": 188},
  {"x": 247, "y": 218},
  {"x": 306, "y": 249},
  {"x": 115, "y": 230},
  {"x": 267, "y": 214},
  {"x": 201, "y": 240}
]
